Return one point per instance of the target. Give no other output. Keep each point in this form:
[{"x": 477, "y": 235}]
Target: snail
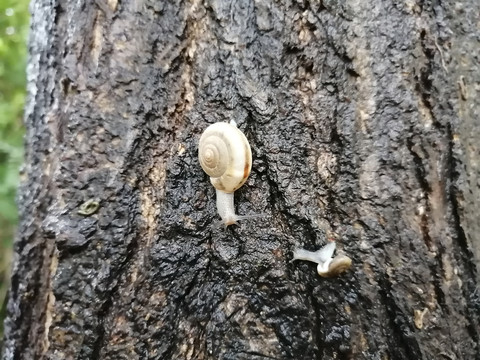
[
  {"x": 225, "y": 155},
  {"x": 327, "y": 266}
]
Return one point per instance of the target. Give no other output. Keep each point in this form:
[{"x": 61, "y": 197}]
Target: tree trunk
[{"x": 361, "y": 117}]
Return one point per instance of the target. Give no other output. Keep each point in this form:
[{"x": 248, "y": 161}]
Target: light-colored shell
[
  {"x": 225, "y": 155},
  {"x": 328, "y": 266},
  {"x": 339, "y": 264}
]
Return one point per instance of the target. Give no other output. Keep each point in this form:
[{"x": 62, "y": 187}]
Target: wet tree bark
[{"x": 361, "y": 116}]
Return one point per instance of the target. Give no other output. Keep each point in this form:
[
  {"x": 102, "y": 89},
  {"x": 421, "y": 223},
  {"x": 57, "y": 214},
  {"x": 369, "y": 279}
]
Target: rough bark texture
[{"x": 361, "y": 116}]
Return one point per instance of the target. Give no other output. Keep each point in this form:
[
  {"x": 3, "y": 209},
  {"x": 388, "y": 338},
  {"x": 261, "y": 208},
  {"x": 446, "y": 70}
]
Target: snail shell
[
  {"x": 328, "y": 266},
  {"x": 225, "y": 155},
  {"x": 339, "y": 264}
]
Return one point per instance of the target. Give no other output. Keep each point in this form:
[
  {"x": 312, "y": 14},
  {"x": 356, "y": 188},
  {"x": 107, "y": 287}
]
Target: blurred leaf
[{"x": 14, "y": 19}]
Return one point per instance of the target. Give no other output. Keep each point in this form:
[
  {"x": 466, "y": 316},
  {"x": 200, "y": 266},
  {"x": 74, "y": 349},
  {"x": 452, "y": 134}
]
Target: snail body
[
  {"x": 328, "y": 266},
  {"x": 225, "y": 155}
]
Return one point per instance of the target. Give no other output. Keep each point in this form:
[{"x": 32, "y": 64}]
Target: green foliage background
[{"x": 14, "y": 20}]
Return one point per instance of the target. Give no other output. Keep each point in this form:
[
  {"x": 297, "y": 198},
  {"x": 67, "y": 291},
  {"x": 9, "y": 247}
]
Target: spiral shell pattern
[
  {"x": 225, "y": 155},
  {"x": 339, "y": 264}
]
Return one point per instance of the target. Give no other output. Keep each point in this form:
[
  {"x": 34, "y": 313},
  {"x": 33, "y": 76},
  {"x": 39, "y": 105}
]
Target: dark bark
[{"x": 361, "y": 116}]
